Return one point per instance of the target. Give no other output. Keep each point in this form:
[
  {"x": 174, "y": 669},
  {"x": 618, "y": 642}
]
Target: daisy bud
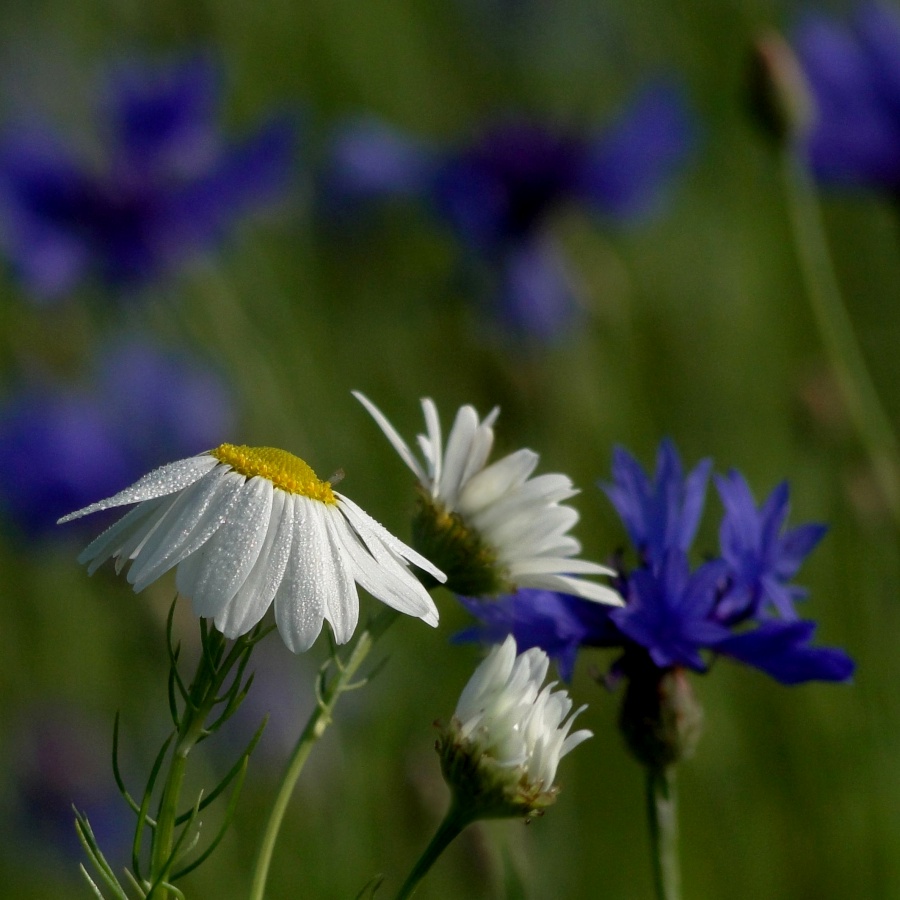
[{"x": 500, "y": 753}]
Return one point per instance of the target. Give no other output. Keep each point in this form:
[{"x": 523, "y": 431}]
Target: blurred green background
[{"x": 698, "y": 329}]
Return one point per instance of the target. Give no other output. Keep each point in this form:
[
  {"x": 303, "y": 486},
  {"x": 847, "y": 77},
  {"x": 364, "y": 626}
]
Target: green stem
[
  {"x": 836, "y": 330},
  {"x": 318, "y": 722},
  {"x": 662, "y": 819},
  {"x": 203, "y": 693},
  {"x": 454, "y": 822}
]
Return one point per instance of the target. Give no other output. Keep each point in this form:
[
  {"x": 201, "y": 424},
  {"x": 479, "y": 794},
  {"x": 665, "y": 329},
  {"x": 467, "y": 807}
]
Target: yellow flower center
[{"x": 283, "y": 469}]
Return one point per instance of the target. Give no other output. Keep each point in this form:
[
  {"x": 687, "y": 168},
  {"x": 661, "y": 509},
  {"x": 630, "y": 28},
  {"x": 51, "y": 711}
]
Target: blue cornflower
[
  {"x": 167, "y": 189},
  {"x": 64, "y": 445},
  {"x": 663, "y": 514},
  {"x": 854, "y": 76},
  {"x": 761, "y": 560},
  {"x": 675, "y": 616},
  {"x": 498, "y": 193},
  {"x": 670, "y": 611}
]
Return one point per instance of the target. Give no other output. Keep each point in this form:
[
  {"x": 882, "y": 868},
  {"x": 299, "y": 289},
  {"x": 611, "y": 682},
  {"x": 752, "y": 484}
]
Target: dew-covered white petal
[
  {"x": 160, "y": 482},
  {"x": 246, "y": 529},
  {"x": 518, "y": 518},
  {"x": 255, "y": 595}
]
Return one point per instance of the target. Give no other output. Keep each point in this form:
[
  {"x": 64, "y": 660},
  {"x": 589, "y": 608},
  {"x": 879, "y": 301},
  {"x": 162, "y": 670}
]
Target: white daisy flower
[
  {"x": 509, "y": 733},
  {"x": 248, "y": 527},
  {"x": 492, "y": 528}
]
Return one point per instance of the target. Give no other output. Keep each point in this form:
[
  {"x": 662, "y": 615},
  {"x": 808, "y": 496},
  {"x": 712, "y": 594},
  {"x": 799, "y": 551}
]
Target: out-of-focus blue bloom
[
  {"x": 68, "y": 444},
  {"x": 761, "y": 560},
  {"x": 58, "y": 448},
  {"x": 674, "y": 616},
  {"x": 168, "y": 189},
  {"x": 370, "y": 161},
  {"x": 498, "y": 192},
  {"x": 854, "y": 74},
  {"x": 57, "y": 758}
]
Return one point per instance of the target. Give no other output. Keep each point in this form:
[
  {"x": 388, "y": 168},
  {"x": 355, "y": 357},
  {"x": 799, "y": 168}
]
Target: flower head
[
  {"x": 508, "y": 734},
  {"x": 854, "y": 75},
  {"x": 498, "y": 192},
  {"x": 675, "y": 614},
  {"x": 492, "y": 528},
  {"x": 250, "y": 527},
  {"x": 168, "y": 189}
]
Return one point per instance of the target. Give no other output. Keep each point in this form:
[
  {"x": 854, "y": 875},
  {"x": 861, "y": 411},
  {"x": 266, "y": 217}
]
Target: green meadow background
[{"x": 697, "y": 328}]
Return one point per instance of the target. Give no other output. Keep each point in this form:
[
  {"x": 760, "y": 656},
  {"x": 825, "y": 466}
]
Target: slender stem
[
  {"x": 315, "y": 727},
  {"x": 836, "y": 329},
  {"x": 203, "y": 696},
  {"x": 454, "y": 822},
  {"x": 662, "y": 819}
]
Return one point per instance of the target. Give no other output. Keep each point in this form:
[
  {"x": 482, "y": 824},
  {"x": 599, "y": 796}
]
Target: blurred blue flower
[
  {"x": 65, "y": 445},
  {"x": 498, "y": 193},
  {"x": 673, "y": 614},
  {"x": 854, "y": 74},
  {"x": 57, "y": 758},
  {"x": 168, "y": 188}
]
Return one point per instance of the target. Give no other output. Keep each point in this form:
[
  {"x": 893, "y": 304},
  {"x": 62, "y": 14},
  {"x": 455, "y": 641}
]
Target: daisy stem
[
  {"x": 454, "y": 822},
  {"x": 662, "y": 819},
  {"x": 315, "y": 727},
  {"x": 836, "y": 329},
  {"x": 203, "y": 696}
]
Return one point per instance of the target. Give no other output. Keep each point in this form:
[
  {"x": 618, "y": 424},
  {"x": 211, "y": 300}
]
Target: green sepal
[{"x": 482, "y": 787}]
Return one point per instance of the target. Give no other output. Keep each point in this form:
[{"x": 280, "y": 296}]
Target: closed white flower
[
  {"x": 492, "y": 528},
  {"x": 509, "y": 733},
  {"x": 249, "y": 527}
]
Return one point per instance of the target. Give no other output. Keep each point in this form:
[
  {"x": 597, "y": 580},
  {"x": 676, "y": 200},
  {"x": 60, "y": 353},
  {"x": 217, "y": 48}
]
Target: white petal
[
  {"x": 436, "y": 449},
  {"x": 342, "y": 600},
  {"x": 188, "y": 573},
  {"x": 105, "y": 545},
  {"x": 234, "y": 549},
  {"x": 185, "y": 512},
  {"x": 530, "y": 498},
  {"x": 391, "y": 434},
  {"x": 459, "y": 445},
  {"x": 366, "y": 525},
  {"x": 131, "y": 547},
  {"x": 560, "y": 565},
  {"x": 299, "y": 612},
  {"x": 387, "y": 580},
  {"x": 158, "y": 483},
  {"x": 491, "y": 483},
  {"x": 255, "y": 595},
  {"x": 564, "y": 584},
  {"x": 193, "y": 528},
  {"x": 482, "y": 442}
]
